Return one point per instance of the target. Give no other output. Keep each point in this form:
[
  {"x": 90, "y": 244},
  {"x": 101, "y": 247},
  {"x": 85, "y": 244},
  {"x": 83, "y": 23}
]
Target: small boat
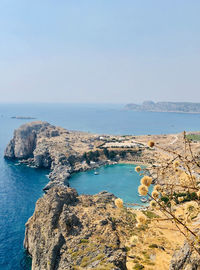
[
  {"x": 96, "y": 173},
  {"x": 143, "y": 200}
]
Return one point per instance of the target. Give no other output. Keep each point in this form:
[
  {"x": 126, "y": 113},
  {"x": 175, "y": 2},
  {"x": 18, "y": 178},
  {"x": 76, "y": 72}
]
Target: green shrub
[
  {"x": 138, "y": 266},
  {"x": 187, "y": 196},
  {"x": 150, "y": 214},
  {"x": 193, "y": 137},
  {"x": 84, "y": 241},
  {"x": 153, "y": 246}
]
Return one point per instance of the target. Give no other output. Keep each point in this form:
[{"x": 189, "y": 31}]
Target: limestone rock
[
  {"x": 42, "y": 158},
  {"x": 24, "y": 141},
  {"x": 68, "y": 231},
  {"x": 58, "y": 176},
  {"x": 185, "y": 259}
]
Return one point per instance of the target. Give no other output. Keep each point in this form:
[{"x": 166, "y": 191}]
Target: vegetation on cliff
[
  {"x": 68, "y": 231},
  {"x": 177, "y": 199}
]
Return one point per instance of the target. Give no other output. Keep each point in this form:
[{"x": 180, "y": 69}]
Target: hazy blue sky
[{"x": 114, "y": 51}]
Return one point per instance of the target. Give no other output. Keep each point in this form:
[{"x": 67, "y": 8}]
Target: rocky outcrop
[
  {"x": 58, "y": 176},
  {"x": 185, "y": 259},
  {"x": 63, "y": 152},
  {"x": 68, "y": 231},
  {"x": 24, "y": 141}
]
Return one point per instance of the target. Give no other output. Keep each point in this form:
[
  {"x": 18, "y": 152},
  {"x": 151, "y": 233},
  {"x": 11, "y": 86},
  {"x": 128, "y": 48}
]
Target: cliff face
[
  {"x": 68, "y": 231},
  {"x": 24, "y": 141},
  {"x": 42, "y": 145},
  {"x": 185, "y": 259}
]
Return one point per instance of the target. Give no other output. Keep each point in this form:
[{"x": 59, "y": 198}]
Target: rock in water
[{"x": 68, "y": 231}]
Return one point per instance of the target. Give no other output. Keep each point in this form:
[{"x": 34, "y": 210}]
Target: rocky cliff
[
  {"x": 24, "y": 141},
  {"x": 68, "y": 231},
  {"x": 42, "y": 145},
  {"x": 185, "y": 259}
]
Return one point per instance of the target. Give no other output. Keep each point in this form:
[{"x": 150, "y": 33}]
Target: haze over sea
[{"x": 20, "y": 186}]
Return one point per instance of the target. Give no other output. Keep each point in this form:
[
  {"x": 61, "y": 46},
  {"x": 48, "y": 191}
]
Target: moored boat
[{"x": 143, "y": 200}]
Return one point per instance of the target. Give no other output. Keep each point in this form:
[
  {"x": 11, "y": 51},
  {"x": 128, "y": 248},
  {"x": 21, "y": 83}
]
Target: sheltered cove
[{"x": 41, "y": 145}]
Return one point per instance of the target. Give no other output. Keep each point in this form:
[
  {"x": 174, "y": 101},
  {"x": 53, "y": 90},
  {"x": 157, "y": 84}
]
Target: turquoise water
[
  {"x": 20, "y": 187},
  {"x": 120, "y": 179}
]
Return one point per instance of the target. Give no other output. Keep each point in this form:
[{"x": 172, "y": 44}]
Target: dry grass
[{"x": 155, "y": 246}]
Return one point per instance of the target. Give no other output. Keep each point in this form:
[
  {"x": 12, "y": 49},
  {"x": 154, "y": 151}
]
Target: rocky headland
[
  {"x": 68, "y": 231},
  {"x": 63, "y": 152}
]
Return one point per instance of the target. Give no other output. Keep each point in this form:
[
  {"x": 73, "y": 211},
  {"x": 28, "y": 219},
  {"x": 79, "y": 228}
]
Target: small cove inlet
[{"x": 119, "y": 179}]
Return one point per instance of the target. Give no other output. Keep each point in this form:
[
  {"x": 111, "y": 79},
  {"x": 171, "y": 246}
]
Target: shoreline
[
  {"x": 163, "y": 111},
  {"x": 135, "y": 163},
  {"x": 65, "y": 152}
]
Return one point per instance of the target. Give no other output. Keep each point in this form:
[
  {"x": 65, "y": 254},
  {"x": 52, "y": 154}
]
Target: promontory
[{"x": 71, "y": 231}]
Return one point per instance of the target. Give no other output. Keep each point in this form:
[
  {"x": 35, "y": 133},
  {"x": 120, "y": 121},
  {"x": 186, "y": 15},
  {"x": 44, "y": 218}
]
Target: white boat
[
  {"x": 143, "y": 200},
  {"x": 96, "y": 173}
]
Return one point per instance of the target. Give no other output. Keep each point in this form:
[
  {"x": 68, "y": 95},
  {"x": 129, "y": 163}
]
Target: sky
[{"x": 102, "y": 51}]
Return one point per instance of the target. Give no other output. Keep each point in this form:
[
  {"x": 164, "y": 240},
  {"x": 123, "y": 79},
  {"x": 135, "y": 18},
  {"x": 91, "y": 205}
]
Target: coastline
[
  {"x": 162, "y": 111},
  {"x": 65, "y": 152},
  {"x": 134, "y": 163},
  {"x": 165, "y": 106}
]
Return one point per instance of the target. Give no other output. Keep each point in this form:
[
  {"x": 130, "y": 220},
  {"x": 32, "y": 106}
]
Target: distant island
[
  {"x": 23, "y": 117},
  {"x": 180, "y": 107}
]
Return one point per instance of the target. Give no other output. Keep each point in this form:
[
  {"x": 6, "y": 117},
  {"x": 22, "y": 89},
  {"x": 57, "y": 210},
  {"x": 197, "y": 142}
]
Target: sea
[{"x": 21, "y": 186}]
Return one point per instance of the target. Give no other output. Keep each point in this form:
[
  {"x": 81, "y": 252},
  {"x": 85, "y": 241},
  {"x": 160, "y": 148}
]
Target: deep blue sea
[{"x": 20, "y": 186}]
